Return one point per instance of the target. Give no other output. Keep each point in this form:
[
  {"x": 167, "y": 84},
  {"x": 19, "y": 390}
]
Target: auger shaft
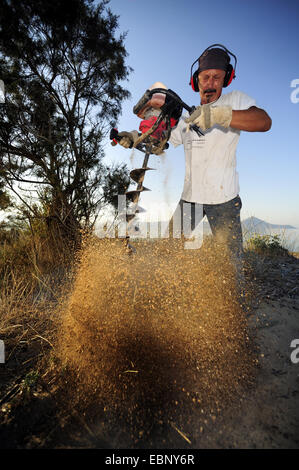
[{"x": 138, "y": 177}]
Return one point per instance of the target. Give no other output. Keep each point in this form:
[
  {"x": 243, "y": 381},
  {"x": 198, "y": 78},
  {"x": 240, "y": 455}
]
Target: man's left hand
[{"x": 207, "y": 116}]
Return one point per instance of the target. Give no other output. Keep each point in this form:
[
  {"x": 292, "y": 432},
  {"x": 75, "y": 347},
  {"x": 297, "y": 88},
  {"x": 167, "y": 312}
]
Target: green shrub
[{"x": 269, "y": 245}]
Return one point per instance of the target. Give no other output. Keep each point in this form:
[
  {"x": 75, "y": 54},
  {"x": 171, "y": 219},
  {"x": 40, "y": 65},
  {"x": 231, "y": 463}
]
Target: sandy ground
[
  {"x": 264, "y": 415},
  {"x": 268, "y": 416}
]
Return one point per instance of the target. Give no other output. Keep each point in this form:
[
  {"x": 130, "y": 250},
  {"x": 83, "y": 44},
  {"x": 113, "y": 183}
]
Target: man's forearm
[{"x": 251, "y": 120}]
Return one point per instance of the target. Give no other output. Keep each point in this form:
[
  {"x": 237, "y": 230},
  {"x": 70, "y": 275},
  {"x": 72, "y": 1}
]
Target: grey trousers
[{"x": 224, "y": 219}]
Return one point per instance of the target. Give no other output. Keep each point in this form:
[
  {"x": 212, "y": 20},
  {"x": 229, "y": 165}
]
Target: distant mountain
[{"x": 253, "y": 224}]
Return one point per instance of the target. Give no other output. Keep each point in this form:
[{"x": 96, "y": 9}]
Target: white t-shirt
[{"x": 210, "y": 160}]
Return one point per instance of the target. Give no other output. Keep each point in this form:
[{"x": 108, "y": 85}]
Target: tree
[{"x": 62, "y": 66}]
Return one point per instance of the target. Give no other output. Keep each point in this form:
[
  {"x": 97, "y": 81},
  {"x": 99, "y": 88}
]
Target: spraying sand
[
  {"x": 154, "y": 340},
  {"x": 153, "y": 352}
]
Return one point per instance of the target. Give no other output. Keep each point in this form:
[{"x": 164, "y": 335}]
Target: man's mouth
[{"x": 210, "y": 91}]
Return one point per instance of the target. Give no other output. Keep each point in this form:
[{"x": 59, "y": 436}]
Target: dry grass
[{"x": 31, "y": 286}]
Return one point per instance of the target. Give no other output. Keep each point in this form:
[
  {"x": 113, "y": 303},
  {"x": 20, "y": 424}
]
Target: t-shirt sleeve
[{"x": 242, "y": 101}]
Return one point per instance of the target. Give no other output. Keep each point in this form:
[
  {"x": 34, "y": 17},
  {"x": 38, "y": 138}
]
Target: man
[{"x": 211, "y": 180}]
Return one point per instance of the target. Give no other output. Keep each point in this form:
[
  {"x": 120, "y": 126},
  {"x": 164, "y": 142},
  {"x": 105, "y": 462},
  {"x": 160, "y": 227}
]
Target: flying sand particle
[{"x": 159, "y": 332}]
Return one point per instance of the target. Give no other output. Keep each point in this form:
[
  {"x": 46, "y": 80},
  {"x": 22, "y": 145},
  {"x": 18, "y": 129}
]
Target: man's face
[{"x": 210, "y": 83}]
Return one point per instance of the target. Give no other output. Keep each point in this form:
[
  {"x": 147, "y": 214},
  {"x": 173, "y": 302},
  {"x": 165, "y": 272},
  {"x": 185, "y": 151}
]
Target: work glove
[
  {"x": 127, "y": 139},
  {"x": 207, "y": 116}
]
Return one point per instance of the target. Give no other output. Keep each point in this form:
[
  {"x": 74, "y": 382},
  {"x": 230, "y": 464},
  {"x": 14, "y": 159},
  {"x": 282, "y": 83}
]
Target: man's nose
[{"x": 211, "y": 82}]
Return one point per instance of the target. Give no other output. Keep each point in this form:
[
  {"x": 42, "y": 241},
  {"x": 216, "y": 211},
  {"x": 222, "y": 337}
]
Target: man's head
[
  {"x": 214, "y": 72},
  {"x": 212, "y": 67}
]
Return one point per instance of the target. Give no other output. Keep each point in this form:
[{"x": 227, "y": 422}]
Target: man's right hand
[{"x": 127, "y": 139}]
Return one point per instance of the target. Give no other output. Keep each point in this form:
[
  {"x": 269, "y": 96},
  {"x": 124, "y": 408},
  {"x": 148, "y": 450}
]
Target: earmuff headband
[{"x": 230, "y": 72}]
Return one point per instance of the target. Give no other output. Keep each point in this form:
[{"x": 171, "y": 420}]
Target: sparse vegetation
[{"x": 267, "y": 245}]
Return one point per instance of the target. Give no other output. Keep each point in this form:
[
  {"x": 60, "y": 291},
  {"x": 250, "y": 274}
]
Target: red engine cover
[{"x": 146, "y": 124}]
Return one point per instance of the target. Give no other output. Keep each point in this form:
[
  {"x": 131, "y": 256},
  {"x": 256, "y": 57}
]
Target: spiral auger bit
[{"x": 160, "y": 110}]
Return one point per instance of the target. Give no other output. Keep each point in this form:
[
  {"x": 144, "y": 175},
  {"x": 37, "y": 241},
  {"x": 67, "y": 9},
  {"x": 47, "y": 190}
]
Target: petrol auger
[{"x": 160, "y": 109}]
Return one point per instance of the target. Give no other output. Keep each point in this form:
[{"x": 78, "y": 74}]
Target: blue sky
[{"x": 165, "y": 37}]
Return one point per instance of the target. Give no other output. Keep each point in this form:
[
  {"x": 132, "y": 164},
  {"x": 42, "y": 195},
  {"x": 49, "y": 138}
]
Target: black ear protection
[{"x": 230, "y": 72}]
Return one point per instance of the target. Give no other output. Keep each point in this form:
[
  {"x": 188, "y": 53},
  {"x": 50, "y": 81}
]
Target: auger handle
[
  {"x": 173, "y": 95},
  {"x": 114, "y": 135},
  {"x": 142, "y": 102},
  {"x": 116, "y": 138}
]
